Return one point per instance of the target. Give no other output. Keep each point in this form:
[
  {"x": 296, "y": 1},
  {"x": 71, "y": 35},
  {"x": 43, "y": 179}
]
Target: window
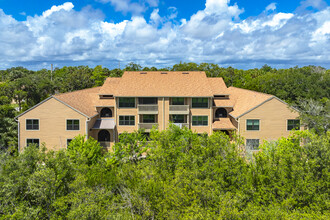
[
  {"x": 72, "y": 124},
  {"x": 177, "y": 101},
  {"x": 252, "y": 125},
  {"x": 32, "y": 141},
  {"x": 127, "y": 120},
  {"x": 106, "y": 112},
  {"x": 177, "y": 118},
  {"x": 200, "y": 103},
  {"x": 293, "y": 124},
  {"x": 148, "y": 118},
  {"x": 103, "y": 136},
  {"x": 32, "y": 124},
  {"x": 252, "y": 144},
  {"x": 126, "y": 102},
  {"x": 68, "y": 141},
  {"x": 200, "y": 120},
  {"x": 221, "y": 113},
  {"x": 148, "y": 101}
]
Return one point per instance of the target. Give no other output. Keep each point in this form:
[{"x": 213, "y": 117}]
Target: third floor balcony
[{"x": 179, "y": 109}]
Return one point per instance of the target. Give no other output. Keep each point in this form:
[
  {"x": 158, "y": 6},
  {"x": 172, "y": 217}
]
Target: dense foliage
[{"x": 177, "y": 174}]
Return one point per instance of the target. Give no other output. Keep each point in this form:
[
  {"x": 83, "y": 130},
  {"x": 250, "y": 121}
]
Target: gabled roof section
[
  {"x": 246, "y": 100},
  {"x": 161, "y": 84},
  {"x": 81, "y": 100},
  {"x": 223, "y": 124},
  {"x": 218, "y": 86}
]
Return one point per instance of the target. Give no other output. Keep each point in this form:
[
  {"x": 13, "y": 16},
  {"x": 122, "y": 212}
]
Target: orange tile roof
[
  {"x": 245, "y": 100},
  {"x": 224, "y": 102},
  {"x": 81, "y": 100},
  {"x": 223, "y": 124},
  {"x": 218, "y": 86},
  {"x": 156, "y": 84}
]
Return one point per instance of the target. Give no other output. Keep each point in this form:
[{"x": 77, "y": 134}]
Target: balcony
[
  {"x": 147, "y": 126},
  {"x": 105, "y": 144},
  {"x": 148, "y": 109},
  {"x": 179, "y": 110},
  {"x": 182, "y": 125}
]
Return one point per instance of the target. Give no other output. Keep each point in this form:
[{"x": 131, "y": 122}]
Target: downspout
[
  {"x": 163, "y": 113},
  {"x": 88, "y": 120},
  {"x": 18, "y": 132}
]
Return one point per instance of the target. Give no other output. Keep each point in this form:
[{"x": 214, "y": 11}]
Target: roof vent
[
  {"x": 185, "y": 73},
  {"x": 163, "y": 73},
  {"x": 143, "y": 73}
]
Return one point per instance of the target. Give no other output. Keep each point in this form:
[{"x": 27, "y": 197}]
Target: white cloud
[
  {"x": 129, "y": 6},
  {"x": 64, "y": 36},
  {"x": 66, "y": 6},
  {"x": 271, "y": 7}
]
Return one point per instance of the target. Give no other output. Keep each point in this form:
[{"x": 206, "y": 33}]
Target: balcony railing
[
  {"x": 105, "y": 144},
  {"x": 147, "y": 126},
  {"x": 148, "y": 109},
  {"x": 182, "y": 125},
  {"x": 179, "y": 109}
]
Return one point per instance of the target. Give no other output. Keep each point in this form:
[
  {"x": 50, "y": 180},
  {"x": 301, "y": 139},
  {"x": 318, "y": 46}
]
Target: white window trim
[
  {"x": 32, "y": 129},
  {"x": 66, "y": 124},
  {"x": 208, "y": 102},
  {"x": 127, "y": 125},
  {"x": 252, "y": 139},
  {"x": 287, "y": 124},
  {"x": 199, "y": 125},
  {"x": 135, "y": 104},
  {"x": 252, "y": 119},
  {"x": 26, "y": 144}
]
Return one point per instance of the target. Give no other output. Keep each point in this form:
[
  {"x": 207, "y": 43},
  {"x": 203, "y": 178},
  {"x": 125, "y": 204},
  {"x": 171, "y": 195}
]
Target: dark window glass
[
  {"x": 104, "y": 136},
  {"x": 126, "y": 120},
  {"x": 106, "y": 112},
  {"x": 148, "y": 101},
  {"x": 148, "y": 118},
  {"x": 126, "y": 102},
  {"x": 32, "y": 141},
  {"x": 177, "y": 118},
  {"x": 200, "y": 103},
  {"x": 72, "y": 124},
  {"x": 68, "y": 141},
  {"x": 252, "y": 144},
  {"x": 252, "y": 125},
  {"x": 32, "y": 124},
  {"x": 293, "y": 124},
  {"x": 177, "y": 101},
  {"x": 200, "y": 120},
  {"x": 221, "y": 113}
]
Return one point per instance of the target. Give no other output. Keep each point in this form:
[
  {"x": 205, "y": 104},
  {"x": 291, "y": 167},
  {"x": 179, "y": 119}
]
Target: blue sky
[{"x": 243, "y": 34}]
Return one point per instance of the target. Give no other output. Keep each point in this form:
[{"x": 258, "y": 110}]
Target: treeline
[
  {"x": 308, "y": 88},
  {"x": 177, "y": 174}
]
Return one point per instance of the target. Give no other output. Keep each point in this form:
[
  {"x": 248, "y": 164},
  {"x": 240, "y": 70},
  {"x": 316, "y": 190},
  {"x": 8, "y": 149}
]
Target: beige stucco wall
[
  {"x": 127, "y": 111},
  {"x": 52, "y": 116},
  {"x": 273, "y": 116},
  {"x": 201, "y": 112}
]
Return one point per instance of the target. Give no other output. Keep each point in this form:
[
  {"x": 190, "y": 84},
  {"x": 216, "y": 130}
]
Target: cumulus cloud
[
  {"x": 130, "y": 6},
  {"x": 271, "y": 7},
  {"x": 65, "y": 36}
]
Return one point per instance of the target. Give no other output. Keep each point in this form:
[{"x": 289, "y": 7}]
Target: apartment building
[{"x": 143, "y": 100}]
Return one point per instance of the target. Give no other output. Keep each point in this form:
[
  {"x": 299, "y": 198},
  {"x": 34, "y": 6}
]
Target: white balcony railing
[
  {"x": 179, "y": 109},
  {"x": 148, "y": 109},
  {"x": 105, "y": 144},
  {"x": 182, "y": 125},
  {"x": 147, "y": 126}
]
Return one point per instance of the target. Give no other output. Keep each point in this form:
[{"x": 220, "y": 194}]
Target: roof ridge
[
  {"x": 65, "y": 93},
  {"x": 250, "y": 90}
]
